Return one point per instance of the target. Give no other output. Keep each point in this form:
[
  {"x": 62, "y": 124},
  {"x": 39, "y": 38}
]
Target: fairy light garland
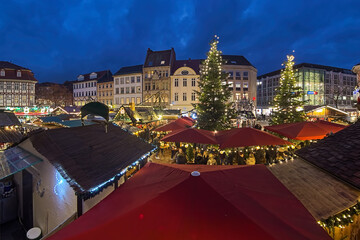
[{"x": 342, "y": 219}]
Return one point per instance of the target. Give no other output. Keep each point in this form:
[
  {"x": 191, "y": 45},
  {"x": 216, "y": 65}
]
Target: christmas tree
[
  {"x": 288, "y": 101},
  {"x": 214, "y": 109}
]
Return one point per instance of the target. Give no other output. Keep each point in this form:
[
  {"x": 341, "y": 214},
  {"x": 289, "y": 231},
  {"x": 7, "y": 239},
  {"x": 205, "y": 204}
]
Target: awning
[{"x": 14, "y": 160}]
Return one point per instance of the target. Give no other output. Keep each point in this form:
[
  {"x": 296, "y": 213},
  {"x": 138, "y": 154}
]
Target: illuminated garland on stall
[{"x": 341, "y": 219}]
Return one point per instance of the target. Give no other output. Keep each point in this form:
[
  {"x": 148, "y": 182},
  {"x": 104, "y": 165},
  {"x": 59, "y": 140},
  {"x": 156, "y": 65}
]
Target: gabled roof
[
  {"x": 310, "y": 65},
  {"x": 87, "y": 157},
  {"x": 191, "y": 63},
  {"x": 129, "y": 70},
  {"x": 322, "y": 194},
  {"x": 235, "y": 60},
  {"x": 159, "y": 58},
  {"x": 9, "y": 65},
  {"x": 102, "y": 76},
  {"x": 12, "y": 69},
  {"x": 338, "y": 154},
  {"x": 8, "y": 119}
]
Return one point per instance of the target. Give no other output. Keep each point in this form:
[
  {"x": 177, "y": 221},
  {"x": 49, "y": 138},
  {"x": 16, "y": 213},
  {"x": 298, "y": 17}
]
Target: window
[
  {"x": 1, "y": 85},
  {"x": 184, "y": 97},
  {"x": 159, "y": 74},
  {"x": 184, "y": 72},
  {"x": 138, "y": 100},
  {"x": 138, "y": 79},
  {"x": 193, "y": 96},
  {"x": 162, "y": 62},
  {"x": 246, "y": 76},
  {"x": 121, "y": 100},
  {"x": 153, "y": 86},
  {"x": 147, "y": 86},
  {"x": 184, "y": 82},
  {"x": 93, "y": 76},
  {"x": 238, "y": 86},
  {"x": 116, "y": 90},
  {"x": 246, "y": 86},
  {"x": 193, "y": 82},
  {"x": 127, "y": 80},
  {"x": 127, "y": 89},
  {"x": 18, "y": 73},
  {"x": 132, "y": 89},
  {"x": 231, "y": 85},
  {"x": 17, "y": 86},
  {"x": 116, "y": 81},
  {"x": 132, "y": 79},
  {"x": 8, "y": 85},
  {"x": 122, "y": 90},
  {"x": 2, "y": 73},
  {"x": 127, "y": 100},
  {"x": 122, "y": 80},
  {"x": 138, "y": 89},
  {"x": 238, "y": 75},
  {"x": 231, "y": 75},
  {"x": 166, "y": 73},
  {"x": 176, "y": 82},
  {"x": 176, "y": 97},
  {"x": 80, "y": 77}
]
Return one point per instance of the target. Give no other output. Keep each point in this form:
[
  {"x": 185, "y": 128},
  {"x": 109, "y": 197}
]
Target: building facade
[
  {"x": 128, "y": 85},
  {"x": 157, "y": 82},
  {"x": 17, "y": 86},
  {"x": 242, "y": 80},
  {"x": 322, "y": 85},
  {"x": 105, "y": 90},
  {"x": 184, "y": 83},
  {"x": 84, "y": 89}
]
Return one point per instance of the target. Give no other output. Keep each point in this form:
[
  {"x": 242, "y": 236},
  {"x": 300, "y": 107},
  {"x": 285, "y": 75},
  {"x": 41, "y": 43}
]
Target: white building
[
  {"x": 184, "y": 83},
  {"x": 128, "y": 85},
  {"x": 17, "y": 86},
  {"x": 84, "y": 89}
]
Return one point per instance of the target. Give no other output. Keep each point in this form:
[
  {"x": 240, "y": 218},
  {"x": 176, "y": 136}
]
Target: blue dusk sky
[{"x": 61, "y": 39}]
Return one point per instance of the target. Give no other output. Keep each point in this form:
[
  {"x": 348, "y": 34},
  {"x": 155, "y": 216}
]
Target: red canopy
[
  {"x": 191, "y": 135},
  {"x": 243, "y": 137},
  {"x": 175, "y": 125},
  {"x": 216, "y": 202},
  {"x": 305, "y": 130},
  {"x": 189, "y": 119}
]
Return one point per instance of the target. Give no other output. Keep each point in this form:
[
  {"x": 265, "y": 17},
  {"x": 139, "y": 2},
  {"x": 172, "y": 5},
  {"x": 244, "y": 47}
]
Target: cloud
[{"x": 60, "y": 39}]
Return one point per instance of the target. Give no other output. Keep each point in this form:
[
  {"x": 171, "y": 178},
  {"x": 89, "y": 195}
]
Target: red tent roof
[
  {"x": 191, "y": 135},
  {"x": 223, "y": 202},
  {"x": 243, "y": 137},
  {"x": 175, "y": 125},
  {"x": 189, "y": 119},
  {"x": 305, "y": 130}
]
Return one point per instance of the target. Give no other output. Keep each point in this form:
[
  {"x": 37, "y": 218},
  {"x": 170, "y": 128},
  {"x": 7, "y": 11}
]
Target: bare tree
[{"x": 337, "y": 93}]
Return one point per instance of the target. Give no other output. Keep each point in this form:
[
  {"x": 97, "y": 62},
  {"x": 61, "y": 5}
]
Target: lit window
[
  {"x": 18, "y": 74},
  {"x": 162, "y": 62},
  {"x": 93, "y": 76}
]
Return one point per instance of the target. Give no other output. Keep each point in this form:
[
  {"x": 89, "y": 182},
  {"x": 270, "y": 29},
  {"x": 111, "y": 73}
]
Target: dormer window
[
  {"x": 93, "y": 75},
  {"x": 80, "y": 77},
  {"x": 2, "y": 72},
  {"x": 233, "y": 62},
  {"x": 18, "y": 74},
  {"x": 162, "y": 62}
]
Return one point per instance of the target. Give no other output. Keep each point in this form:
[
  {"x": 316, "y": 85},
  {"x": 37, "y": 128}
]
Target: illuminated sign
[{"x": 312, "y": 92}]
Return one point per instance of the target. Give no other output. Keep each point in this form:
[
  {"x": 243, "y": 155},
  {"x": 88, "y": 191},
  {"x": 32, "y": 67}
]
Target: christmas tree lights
[
  {"x": 288, "y": 103},
  {"x": 214, "y": 109}
]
